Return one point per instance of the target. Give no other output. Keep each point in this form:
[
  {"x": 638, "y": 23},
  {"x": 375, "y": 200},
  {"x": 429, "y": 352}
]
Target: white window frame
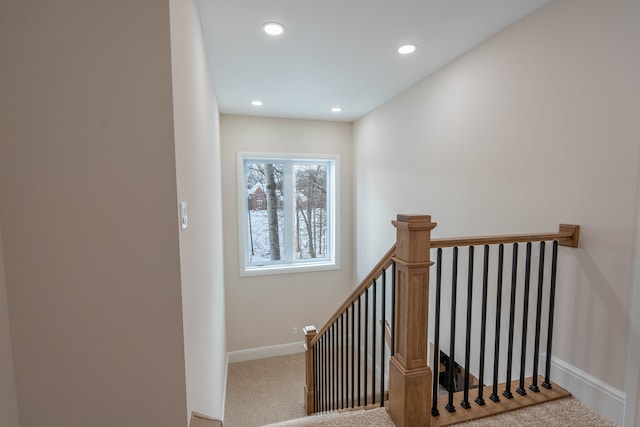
[{"x": 333, "y": 224}]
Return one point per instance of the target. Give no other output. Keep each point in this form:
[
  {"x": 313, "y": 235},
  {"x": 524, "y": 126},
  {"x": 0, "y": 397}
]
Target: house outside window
[{"x": 287, "y": 213}]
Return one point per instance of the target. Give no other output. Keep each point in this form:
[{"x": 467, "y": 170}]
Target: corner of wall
[
  {"x": 197, "y": 155},
  {"x": 591, "y": 391},
  {"x": 9, "y": 401},
  {"x": 632, "y": 407}
]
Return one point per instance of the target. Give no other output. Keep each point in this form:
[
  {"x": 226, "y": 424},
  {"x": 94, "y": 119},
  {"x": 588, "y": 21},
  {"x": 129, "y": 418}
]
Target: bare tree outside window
[
  {"x": 272, "y": 213},
  {"x": 311, "y": 209}
]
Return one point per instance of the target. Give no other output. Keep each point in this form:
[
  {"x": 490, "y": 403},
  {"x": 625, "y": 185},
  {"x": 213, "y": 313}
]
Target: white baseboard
[
  {"x": 592, "y": 392},
  {"x": 200, "y": 420},
  {"x": 262, "y": 352},
  {"x": 224, "y": 391}
]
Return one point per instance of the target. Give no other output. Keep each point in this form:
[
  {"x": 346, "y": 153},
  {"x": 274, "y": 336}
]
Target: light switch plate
[{"x": 184, "y": 220}]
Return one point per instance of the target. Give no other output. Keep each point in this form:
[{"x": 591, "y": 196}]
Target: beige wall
[
  {"x": 197, "y": 146},
  {"x": 8, "y": 398},
  {"x": 262, "y": 310},
  {"x": 535, "y": 127},
  {"x": 88, "y": 213},
  {"x": 632, "y": 410}
]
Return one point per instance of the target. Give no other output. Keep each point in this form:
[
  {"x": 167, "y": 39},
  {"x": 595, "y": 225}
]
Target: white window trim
[{"x": 331, "y": 264}]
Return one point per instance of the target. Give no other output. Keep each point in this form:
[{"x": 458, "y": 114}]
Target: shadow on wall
[{"x": 616, "y": 313}]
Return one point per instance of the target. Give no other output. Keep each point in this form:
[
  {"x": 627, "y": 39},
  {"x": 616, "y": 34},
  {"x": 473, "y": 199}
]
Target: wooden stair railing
[
  {"x": 379, "y": 268},
  {"x": 410, "y": 379},
  {"x": 322, "y": 397}
]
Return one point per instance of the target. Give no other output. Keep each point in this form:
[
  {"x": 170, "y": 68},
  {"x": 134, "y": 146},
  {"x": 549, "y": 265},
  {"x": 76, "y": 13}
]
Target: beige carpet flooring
[
  {"x": 265, "y": 391},
  {"x": 270, "y": 392}
]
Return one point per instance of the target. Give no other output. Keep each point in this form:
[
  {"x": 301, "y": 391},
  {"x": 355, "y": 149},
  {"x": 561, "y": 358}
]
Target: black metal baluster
[
  {"x": 373, "y": 344},
  {"x": 323, "y": 395},
  {"x": 327, "y": 387},
  {"x": 318, "y": 396},
  {"x": 483, "y": 324},
  {"x": 366, "y": 342},
  {"x": 496, "y": 350},
  {"x": 324, "y": 372},
  {"x": 467, "y": 352},
  {"x": 331, "y": 367},
  {"x": 329, "y": 375},
  {"x": 318, "y": 383},
  {"x": 327, "y": 350},
  {"x": 316, "y": 377},
  {"x": 552, "y": 298},
  {"x": 393, "y": 308},
  {"x": 345, "y": 350},
  {"x": 525, "y": 319},
  {"x": 342, "y": 361},
  {"x": 353, "y": 352},
  {"x": 335, "y": 366},
  {"x": 452, "y": 342},
  {"x": 536, "y": 351},
  {"x": 336, "y": 371},
  {"x": 512, "y": 312},
  {"x": 345, "y": 343},
  {"x": 436, "y": 341},
  {"x": 317, "y": 368},
  {"x": 327, "y": 378},
  {"x": 359, "y": 347},
  {"x": 382, "y": 330}
]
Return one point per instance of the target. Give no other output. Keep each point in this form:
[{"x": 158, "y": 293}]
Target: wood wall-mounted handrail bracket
[{"x": 575, "y": 235}]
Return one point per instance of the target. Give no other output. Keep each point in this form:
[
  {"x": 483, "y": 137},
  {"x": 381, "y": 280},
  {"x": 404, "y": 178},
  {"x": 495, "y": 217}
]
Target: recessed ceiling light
[
  {"x": 336, "y": 109},
  {"x": 407, "y": 49},
  {"x": 256, "y": 103},
  {"x": 273, "y": 28}
]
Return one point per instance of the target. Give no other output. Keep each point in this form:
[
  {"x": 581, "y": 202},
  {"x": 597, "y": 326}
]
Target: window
[{"x": 287, "y": 213}]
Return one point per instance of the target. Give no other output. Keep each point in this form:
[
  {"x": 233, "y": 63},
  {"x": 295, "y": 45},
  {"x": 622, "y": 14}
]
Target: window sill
[{"x": 287, "y": 269}]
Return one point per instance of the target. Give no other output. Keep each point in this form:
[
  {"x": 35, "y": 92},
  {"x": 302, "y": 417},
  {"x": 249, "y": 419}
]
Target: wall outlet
[{"x": 294, "y": 330}]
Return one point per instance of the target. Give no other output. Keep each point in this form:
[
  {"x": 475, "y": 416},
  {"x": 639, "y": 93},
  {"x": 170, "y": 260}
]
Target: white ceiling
[{"x": 338, "y": 52}]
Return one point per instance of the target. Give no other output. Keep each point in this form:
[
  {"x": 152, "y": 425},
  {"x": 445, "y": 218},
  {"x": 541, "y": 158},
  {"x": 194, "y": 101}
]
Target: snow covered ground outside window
[{"x": 259, "y": 238}]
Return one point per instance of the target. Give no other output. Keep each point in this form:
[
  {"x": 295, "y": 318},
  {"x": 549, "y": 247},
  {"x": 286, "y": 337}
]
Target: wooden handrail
[
  {"x": 567, "y": 236},
  {"x": 380, "y": 267}
]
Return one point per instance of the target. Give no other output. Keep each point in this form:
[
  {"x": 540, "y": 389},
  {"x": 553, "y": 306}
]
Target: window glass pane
[
  {"x": 265, "y": 203},
  {"x": 310, "y": 234}
]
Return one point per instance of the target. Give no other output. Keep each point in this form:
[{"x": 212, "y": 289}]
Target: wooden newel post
[
  {"x": 409, "y": 375},
  {"x": 310, "y": 386}
]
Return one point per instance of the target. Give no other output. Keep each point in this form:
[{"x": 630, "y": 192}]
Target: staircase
[{"x": 496, "y": 328}]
